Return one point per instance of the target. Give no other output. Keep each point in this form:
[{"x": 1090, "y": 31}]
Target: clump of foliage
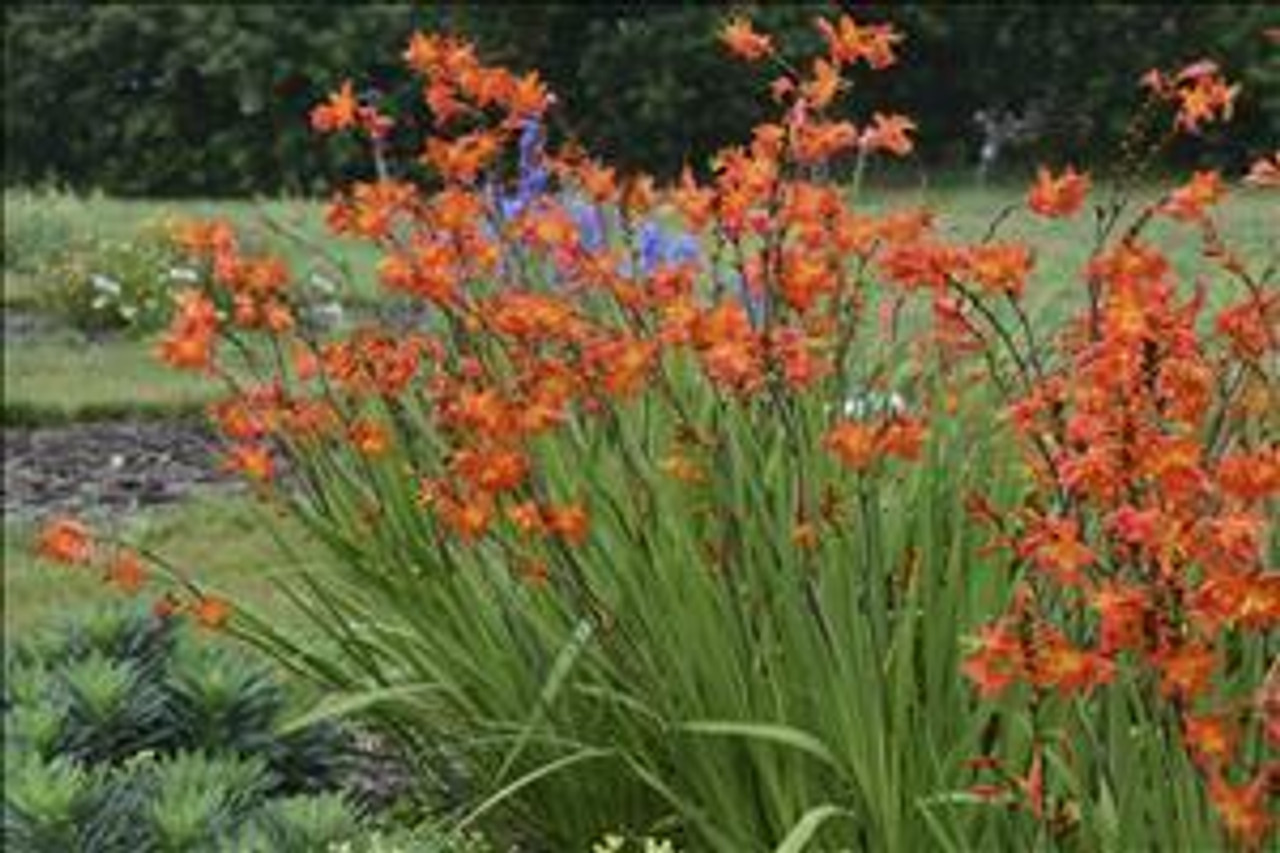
[
  {"x": 36, "y": 231},
  {"x": 124, "y": 731},
  {"x": 742, "y": 514},
  {"x": 100, "y": 284},
  {"x": 204, "y": 100}
]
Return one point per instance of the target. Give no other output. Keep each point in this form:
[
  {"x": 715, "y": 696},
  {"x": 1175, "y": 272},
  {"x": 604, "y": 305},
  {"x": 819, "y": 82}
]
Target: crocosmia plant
[{"x": 732, "y": 512}]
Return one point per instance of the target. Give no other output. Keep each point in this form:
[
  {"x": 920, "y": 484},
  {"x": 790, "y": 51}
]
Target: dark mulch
[{"x": 106, "y": 467}]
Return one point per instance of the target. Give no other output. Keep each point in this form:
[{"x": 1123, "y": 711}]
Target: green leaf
[
  {"x": 768, "y": 732},
  {"x": 808, "y": 825},
  {"x": 343, "y": 705}
]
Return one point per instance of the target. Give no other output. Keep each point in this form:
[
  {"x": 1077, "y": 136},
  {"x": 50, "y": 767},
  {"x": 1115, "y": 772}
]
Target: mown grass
[
  {"x": 226, "y": 542},
  {"x": 46, "y": 223},
  {"x": 295, "y": 228},
  {"x": 62, "y": 377}
]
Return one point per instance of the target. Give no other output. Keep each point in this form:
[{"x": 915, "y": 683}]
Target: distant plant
[
  {"x": 36, "y": 231},
  {"x": 128, "y": 285},
  {"x": 124, "y": 731}
]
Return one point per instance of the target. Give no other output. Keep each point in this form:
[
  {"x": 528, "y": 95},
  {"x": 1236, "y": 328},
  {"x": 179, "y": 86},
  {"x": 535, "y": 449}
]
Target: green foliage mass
[
  {"x": 124, "y": 732},
  {"x": 179, "y": 100}
]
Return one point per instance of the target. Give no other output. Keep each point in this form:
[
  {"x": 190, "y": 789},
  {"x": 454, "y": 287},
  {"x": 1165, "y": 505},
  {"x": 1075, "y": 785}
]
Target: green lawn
[
  {"x": 39, "y": 225},
  {"x": 62, "y": 378},
  {"x": 228, "y": 543},
  {"x": 295, "y": 227}
]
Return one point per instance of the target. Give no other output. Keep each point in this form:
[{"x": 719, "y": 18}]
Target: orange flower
[
  {"x": 625, "y": 364},
  {"x": 1000, "y": 267},
  {"x": 1203, "y": 96},
  {"x": 854, "y": 443},
  {"x": 252, "y": 460},
  {"x": 1250, "y": 477},
  {"x": 998, "y": 660},
  {"x": 804, "y": 535},
  {"x": 848, "y": 41},
  {"x": 1242, "y": 808},
  {"x": 462, "y": 159},
  {"x": 126, "y": 572},
  {"x": 526, "y": 96},
  {"x": 424, "y": 52},
  {"x": 1054, "y": 545},
  {"x": 211, "y": 612},
  {"x": 369, "y": 437},
  {"x": 888, "y": 133},
  {"x": 188, "y": 351},
  {"x": 1184, "y": 670},
  {"x": 1250, "y": 325},
  {"x": 527, "y": 517},
  {"x": 1122, "y": 611},
  {"x": 338, "y": 112},
  {"x": 799, "y": 356},
  {"x": 903, "y": 438},
  {"x": 729, "y": 346},
  {"x": 599, "y": 182},
  {"x": 1066, "y": 668},
  {"x": 745, "y": 42},
  {"x": 569, "y": 522},
  {"x": 190, "y": 342},
  {"x": 166, "y": 606},
  {"x": 1058, "y": 196},
  {"x": 492, "y": 471},
  {"x": 65, "y": 540},
  {"x": 1265, "y": 172},
  {"x": 1211, "y": 739},
  {"x": 441, "y": 99},
  {"x": 1188, "y": 202},
  {"x": 1249, "y": 599},
  {"x": 205, "y": 238},
  {"x": 825, "y": 84},
  {"x": 468, "y": 520},
  {"x": 922, "y": 263},
  {"x": 817, "y": 141}
]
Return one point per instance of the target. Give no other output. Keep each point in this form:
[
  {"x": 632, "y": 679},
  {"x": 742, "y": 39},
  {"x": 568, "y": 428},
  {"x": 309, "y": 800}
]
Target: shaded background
[{"x": 176, "y": 100}]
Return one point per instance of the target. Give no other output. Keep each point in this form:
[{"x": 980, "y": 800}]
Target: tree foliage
[{"x": 212, "y": 100}]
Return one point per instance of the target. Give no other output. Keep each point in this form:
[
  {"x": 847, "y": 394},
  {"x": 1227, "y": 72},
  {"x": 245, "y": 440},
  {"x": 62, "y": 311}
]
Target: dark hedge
[{"x": 176, "y": 100}]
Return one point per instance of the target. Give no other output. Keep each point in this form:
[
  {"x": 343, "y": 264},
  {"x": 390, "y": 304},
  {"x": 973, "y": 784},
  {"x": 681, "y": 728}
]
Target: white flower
[
  {"x": 183, "y": 274},
  {"x": 611, "y": 843},
  {"x": 870, "y": 403},
  {"x": 103, "y": 284},
  {"x": 323, "y": 283}
]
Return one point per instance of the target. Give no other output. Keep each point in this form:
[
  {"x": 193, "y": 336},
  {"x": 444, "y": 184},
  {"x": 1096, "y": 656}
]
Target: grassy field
[
  {"x": 229, "y": 543},
  {"x": 62, "y": 378},
  {"x": 295, "y": 228},
  {"x": 42, "y": 224}
]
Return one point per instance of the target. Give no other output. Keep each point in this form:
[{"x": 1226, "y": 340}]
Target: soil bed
[{"x": 107, "y": 467}]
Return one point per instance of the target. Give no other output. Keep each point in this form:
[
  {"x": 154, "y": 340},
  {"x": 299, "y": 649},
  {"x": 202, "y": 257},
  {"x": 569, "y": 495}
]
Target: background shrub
[
  {"x": 36, "y": 231},
  {"x": 173, "y": 99},
  {"x": 102, "y": 284}
]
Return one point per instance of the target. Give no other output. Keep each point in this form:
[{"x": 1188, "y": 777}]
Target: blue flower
[
  {"x": 590, "y": 221},
  {"x": 658, "y": 247},
  {"x": 532, "y": 179}
]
